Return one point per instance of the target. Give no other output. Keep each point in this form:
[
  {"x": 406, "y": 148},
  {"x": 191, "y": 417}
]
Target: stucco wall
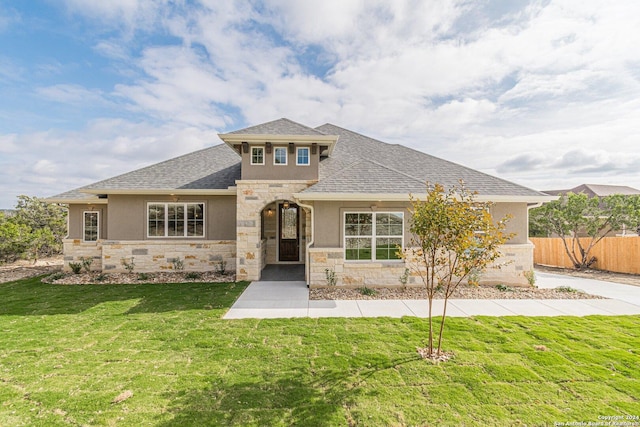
[
  {"x": 75, "y": 220},
  {"x": 128, "y": 216},
  {"x": 329, "y": 219},
  {"x": 290, "y": 171}
]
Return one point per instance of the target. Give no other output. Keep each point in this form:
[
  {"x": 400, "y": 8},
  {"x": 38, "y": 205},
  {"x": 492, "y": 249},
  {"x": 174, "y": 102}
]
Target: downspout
[{"x": 307, "y": 256}]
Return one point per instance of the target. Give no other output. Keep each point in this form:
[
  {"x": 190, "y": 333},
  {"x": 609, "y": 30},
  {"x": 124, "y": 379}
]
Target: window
[
  {"x": 257, "y": 155},
  {"x": 373, "y": 235},
  {"x": 90, "y": 226},
  {"x": 302, "y": 157},
  {"x": 280, "y": 156},
  {"x": 175, "y": 220}
]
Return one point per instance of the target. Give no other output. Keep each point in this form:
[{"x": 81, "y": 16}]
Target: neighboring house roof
[
  {"x": 598, "y": 190},
  {"x": 357, "y": 165}
]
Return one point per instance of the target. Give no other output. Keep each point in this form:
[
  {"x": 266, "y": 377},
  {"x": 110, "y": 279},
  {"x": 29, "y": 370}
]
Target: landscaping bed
[
  {"x": 129, "y": 278},
  {"x": 463, "y": 292}
]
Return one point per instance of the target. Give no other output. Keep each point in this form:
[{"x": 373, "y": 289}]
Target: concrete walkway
[{"x": 265, "y": 299}]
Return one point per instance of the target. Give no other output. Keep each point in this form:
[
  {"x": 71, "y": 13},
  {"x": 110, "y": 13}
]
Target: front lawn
[{"x": 67, "y": 353}]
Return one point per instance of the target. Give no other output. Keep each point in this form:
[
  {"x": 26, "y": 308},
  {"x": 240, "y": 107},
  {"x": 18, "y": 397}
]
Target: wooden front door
[{"x": 289, "y": 236}]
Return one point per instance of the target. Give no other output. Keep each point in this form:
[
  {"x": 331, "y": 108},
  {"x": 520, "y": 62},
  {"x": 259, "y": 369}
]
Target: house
[
  {"x": 596, "y": 190},
  {"x": 281, "y": 193}
]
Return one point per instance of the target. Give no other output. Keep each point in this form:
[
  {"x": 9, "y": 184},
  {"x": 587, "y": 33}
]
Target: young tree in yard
[
  {"x": 575, "y": 215},
  {"x": 452, "y": 236}
]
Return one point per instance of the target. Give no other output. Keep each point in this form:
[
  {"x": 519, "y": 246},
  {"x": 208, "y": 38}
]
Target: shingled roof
[
  {"x": 358, "y": 165},
  {"x": 350, "y": 170}
]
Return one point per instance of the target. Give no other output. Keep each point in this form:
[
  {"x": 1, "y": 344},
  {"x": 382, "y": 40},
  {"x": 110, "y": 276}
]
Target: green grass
[{"x": 67, "y": 351}]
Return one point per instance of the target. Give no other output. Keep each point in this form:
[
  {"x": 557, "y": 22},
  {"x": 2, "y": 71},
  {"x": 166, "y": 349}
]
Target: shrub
[
  {"x": 192, "y": 275},
  {"x": 86, "y": 263},
  {"x": 367, "y": 291},
  {"x": 530, "y": 276},
  {"x": 503, "y": 288},
  {"x": 221, "y": 267},
  {"x": 330, "y": 275},
  {"x": 55, "y": 276},
  {"x": 101, "y": 277},
  {"x": 143, "y": 276},
  {"x": 178, "y": 264},
  {"x": 76, "y": 267},
  {"x": 128, "y": 265},
  {"x": 566, "y": 289}
]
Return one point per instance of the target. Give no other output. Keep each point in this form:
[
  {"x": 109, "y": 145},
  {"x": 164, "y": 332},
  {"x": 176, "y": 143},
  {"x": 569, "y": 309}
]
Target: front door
[{"x": 289, "y": 236}]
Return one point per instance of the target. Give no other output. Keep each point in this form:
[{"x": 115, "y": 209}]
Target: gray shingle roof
[
  {"x": 353, "y": 147},
  {"x": 599, "y": 190},
  {"x": 358, "y": 164},
  {"x": 279, "y": 127}
]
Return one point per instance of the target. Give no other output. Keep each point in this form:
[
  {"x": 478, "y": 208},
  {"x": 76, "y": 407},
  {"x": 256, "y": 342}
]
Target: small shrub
[
  {"x": 367, "y": 291},
  {"x": 76, "y": 267},
  {"x": 56, "y": 276},
  {"x": 330, "y": 274},
  {"x": 192, "y": 275},
  {"x": 503, "y": 288},
  {"x": 178, "y": 264},
  {"x": 221, "y": 267},
  {"x": 404, "y": 279},
  {"x": 143, "y": 276},
  {"x": 86, "y": 263},
  {"x": 101, "y": 277},
  {"x": 128, "y": 265},
  {"x": 530, "y": 276},
  {"x": 566, "y": 289}
]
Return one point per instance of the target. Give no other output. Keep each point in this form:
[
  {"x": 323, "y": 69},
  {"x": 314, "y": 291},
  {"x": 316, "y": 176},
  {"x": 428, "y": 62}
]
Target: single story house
[{"x": 281, "y": 193}]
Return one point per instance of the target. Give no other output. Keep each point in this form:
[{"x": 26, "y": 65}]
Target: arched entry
[{"x": 283, "y": 232}]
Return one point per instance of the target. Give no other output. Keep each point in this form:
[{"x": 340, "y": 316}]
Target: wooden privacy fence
[{"x": 620, "y": 254}]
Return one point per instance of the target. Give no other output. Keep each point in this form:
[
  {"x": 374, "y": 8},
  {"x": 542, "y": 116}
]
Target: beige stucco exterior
[{"x": 271, "y": 171}]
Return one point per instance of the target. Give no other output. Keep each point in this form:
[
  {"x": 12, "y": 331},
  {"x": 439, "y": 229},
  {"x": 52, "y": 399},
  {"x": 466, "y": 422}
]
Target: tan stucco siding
[
  {"x": 290, "y": 171},
  {"x": 519, "y": 222},
  {"x": 329, "y": 219},
  {"x": 128, "y": 216},
  {"x": 75, "y": 220}
]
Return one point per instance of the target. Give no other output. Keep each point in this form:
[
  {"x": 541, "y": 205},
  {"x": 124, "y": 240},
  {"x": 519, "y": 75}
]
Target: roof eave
[
  {"x": 71, "y": 201},
  {"x": 165, "y": 191},
  {"x": 403, "y": 197},
  {"x": 232, "y": 139}
]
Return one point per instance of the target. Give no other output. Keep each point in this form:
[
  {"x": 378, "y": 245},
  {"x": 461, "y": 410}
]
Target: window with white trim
[
  {"x": 175, "y": 220},
  {"x": 280, "y": 156},
  {"x": 90, "y": 226},
  {"x": 257, "y": 155},
  {"x": 373, "y": 236},
  {"x": 302, "y": 156}
]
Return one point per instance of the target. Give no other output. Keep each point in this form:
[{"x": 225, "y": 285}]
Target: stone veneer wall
[
  {"x": 252, "y": 197},
  {"x": 76, "y": 249},
  {"x": 515, "y": 261},
  {"x": 152, "y": 256}
]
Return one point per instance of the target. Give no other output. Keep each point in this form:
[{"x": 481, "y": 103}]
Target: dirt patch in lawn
[{"x": 26, "y": 268}]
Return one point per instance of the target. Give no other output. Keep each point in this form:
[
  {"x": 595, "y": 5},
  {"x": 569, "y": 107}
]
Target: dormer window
[
  {"x": 257, "y": 155},
  {"x": 280, "y": 156},
  {"x": 302, "y": 156}
]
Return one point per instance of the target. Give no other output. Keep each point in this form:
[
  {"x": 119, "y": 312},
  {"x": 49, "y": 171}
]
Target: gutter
[{"x": 307, "y": 256}]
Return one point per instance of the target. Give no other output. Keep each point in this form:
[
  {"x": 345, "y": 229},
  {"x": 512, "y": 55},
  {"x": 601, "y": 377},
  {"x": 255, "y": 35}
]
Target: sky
[{"x": 542, "y": 93}]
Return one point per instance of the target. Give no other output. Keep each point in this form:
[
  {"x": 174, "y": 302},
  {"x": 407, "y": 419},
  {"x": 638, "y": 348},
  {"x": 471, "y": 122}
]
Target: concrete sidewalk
[{"x": 291, "y": 299}]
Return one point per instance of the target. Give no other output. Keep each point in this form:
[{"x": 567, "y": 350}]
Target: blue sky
[{"x": 543, "y": 93}]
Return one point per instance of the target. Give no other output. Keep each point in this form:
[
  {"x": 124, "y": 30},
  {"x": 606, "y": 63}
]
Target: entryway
[{"x": 283, "y": 273}]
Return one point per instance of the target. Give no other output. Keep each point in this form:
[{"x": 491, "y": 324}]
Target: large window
[
  {"x": 257, "y": 155},
  {"x": 280, "y": 156},
  {"x": 175, "y": 220},
  {"x": 90, "y": 226},
  {"x": 302, "y": 156},
  {"x": 373, "y": 235}
]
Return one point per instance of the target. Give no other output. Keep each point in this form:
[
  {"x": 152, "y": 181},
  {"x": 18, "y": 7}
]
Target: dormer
[{"x": 280, "y": 150}]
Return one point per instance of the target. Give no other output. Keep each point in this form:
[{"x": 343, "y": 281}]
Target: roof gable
[{"x": 278, "y": 127}]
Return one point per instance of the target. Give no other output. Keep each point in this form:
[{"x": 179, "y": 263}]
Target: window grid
[
  {"x": 280, "y": 156},
  {"x": 302, "y": 156},
  {"x": 175, "y": 220},
  {"x": 90, "y": 226},
  {"x": 373, "y": 236},
  {"x": 257, "y": 155}
]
